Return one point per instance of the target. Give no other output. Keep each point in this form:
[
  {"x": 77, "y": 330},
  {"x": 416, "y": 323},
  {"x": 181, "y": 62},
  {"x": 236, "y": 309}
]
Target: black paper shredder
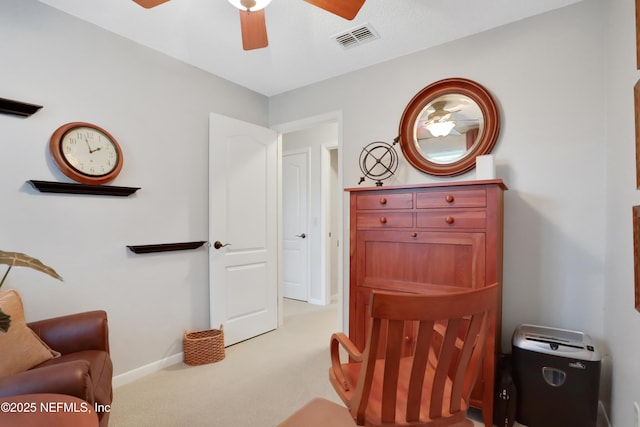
[{"x": 557, "y": 376}]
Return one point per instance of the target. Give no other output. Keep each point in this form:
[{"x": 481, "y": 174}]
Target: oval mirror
[{"x": 447, "y": 124}]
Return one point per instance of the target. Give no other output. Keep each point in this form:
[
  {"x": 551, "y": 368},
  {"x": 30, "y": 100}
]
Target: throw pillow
[{"x": 21, "y": 348}]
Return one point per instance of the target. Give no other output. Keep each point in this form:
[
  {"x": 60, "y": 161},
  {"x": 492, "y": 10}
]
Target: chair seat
[{"x": 320, "y": 413}]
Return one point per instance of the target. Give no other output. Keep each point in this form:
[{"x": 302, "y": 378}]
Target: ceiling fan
[{"x": 252, "y": 22}]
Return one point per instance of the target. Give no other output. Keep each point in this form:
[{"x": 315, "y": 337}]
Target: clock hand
[
  {"x": 90, "y": 150},
  {"x": 89, "y": 145}
]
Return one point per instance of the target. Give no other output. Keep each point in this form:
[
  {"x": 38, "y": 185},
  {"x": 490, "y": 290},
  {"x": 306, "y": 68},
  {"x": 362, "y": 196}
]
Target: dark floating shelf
[
  {"x": 71, "y": 188},
  {"x": 165, "y": 247},
  {"x": 9, "y": 106}
]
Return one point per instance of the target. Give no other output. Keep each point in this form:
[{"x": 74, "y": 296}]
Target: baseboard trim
[{"x": 143, "y": 371}]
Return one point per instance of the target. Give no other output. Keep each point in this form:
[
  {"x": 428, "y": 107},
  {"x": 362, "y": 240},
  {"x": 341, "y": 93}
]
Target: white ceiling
[{"x": 302, "y": 49}]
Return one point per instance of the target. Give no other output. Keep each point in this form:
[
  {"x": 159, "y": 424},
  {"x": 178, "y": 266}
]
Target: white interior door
[
  {"x": 242, "y": 228},
  {"x": 295, "y": 214}
]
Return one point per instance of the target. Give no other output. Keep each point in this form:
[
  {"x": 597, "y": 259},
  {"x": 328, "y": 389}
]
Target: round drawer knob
[
  {"x": 383, "y": 220},
  {"x": 449, "y": 220},
  {"x": 383, "y": 200},
  {"x": 407, "y": 338},
  {"x": 449, "y": 198},
  {"x": 414, "y": 234}
]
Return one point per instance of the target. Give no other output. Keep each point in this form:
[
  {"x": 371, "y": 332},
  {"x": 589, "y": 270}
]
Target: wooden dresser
[{"x": 427, "y": 238}]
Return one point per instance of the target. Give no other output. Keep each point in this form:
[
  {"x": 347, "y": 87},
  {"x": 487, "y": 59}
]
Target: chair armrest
[
  {"x": 71, "y": 378},
  {"x": 340, "y": 340},
  {"x": 75, "y": 332},
  {"x": 347, "y": 344}
]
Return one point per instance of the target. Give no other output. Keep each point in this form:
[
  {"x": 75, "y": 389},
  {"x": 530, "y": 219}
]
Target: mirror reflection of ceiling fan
[
  {"x": 252, "y": 22},
  {"x": 442, "y": 119},
  {"x": 438, "y": 121}
]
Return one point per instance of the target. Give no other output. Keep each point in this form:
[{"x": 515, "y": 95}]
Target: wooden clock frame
[{"x": 55, "y": 147}]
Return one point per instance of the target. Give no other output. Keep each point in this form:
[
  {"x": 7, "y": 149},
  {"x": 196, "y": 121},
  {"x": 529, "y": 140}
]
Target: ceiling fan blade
[
  {"x": 148, "y": 4},
  {"x": 254, "y": 30},
  {"x": 347, "y": 9}
]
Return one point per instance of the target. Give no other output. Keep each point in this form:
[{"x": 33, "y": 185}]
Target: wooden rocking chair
[{"x": 431, "y": 386}]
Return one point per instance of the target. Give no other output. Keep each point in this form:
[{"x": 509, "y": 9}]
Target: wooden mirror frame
[{"x": 412, "y": 112}]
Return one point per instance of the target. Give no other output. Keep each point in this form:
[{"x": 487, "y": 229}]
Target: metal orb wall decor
[{"x": 378, "y": 161}]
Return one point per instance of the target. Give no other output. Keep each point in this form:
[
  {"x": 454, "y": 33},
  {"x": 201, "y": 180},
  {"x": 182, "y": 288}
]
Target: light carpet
[{"x": 259, "y": 383}]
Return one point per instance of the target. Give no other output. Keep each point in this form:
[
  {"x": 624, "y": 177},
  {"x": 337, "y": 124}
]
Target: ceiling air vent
[{"x": 356, "y": 36}]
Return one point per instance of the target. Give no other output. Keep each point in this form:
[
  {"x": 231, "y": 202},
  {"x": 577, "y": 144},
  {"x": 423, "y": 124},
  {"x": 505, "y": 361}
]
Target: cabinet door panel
[{"x": 415, "y": 261}]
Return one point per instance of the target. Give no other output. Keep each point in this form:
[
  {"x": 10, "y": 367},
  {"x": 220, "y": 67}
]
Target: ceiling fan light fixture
[
  {"x": 250, "y": 5},
  {"x": 440, "y": 128}
]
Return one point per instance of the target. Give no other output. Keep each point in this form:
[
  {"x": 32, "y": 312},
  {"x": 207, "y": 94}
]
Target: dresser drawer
[
  {"x": 385, "y": 219},
  {"x": 474, "y": 198},
  {"x": 451, "y": 218},
  {"x": 384, "y": 201}
]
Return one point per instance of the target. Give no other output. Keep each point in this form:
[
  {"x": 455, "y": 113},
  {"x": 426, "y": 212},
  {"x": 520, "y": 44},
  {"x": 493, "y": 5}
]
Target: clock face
[
  {"x": 86, "y": 153},
  {"x": 89, "y": 151}
]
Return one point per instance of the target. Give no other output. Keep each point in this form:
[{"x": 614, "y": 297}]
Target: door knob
[
  {"x": 301, "y": 235},
  {"x": 219, "y": 245}
]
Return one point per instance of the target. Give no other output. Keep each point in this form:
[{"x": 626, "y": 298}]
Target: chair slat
[
  {"x": 464, "y": 359},
  {"x": 442, "y": 369},
  {"x": 395, "y": 336},
  {"x": 420, "y": 360},
  {"x": 470, "y": 360}
]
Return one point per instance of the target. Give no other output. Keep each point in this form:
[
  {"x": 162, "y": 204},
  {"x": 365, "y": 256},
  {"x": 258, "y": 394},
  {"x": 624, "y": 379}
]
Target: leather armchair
[{"x": 83, "y": 370}]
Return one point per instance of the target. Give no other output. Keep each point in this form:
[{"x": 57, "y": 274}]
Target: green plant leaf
[
  {"x": 5, "y": 321},
  {"x": 17, "y": 259}
]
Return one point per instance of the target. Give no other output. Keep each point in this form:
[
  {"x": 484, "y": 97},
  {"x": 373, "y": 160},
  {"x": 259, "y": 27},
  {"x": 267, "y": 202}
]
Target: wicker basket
[{"x": 203, "y": 346}]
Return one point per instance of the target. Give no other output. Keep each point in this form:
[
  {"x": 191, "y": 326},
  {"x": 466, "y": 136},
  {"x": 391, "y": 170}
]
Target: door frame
[{"x": 297, "y": 125}]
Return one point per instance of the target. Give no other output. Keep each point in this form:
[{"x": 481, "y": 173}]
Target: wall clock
[{"x": 86, "y": 153}]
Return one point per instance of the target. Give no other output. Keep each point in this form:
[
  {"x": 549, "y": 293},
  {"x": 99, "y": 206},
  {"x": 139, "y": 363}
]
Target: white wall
[
  {"x": 158, "y": 110},
  {"x": 622, "y": 321}
]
